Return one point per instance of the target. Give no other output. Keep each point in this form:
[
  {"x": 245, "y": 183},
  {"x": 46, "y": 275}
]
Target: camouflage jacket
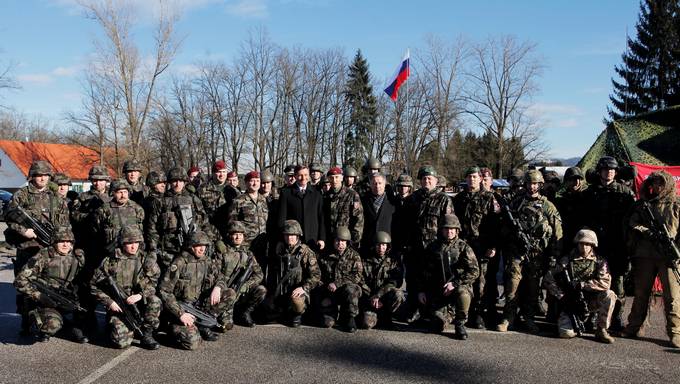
[
  {"x": 188, "y": 279},
  {"x": 448, "y": 261},
  {"x": 53, "y": 268},
  {"x": 112, "y": 217},
  {"x": 476, "y": 212},
  {"x": 87, "y": 203},
  {"x": 216, "y": 200},
  {"x": 252, "y": 213},
  {"x": 642, "y": 241},
  {"x": 541, "y": 221},
  {"x": 427, "y": 208},
  {"x": 343, "y": 208},
  {"x": 341, "y": 269},
  {"x": 591, "y": 271},
  {"x": 294, "y": 267},
  {"x": 164, "y": 228},
  {"x": 381, "y": 274},
  {"x": 134, "y": 274},
  {"x": 44, "y": 206},
  {"x": 233, "y": 261},
  {"x": 139, "y": 192}
]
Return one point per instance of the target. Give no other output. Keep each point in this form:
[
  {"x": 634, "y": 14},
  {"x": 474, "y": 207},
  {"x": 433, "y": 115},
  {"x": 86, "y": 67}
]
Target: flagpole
[{"x": 408, "y": 54}]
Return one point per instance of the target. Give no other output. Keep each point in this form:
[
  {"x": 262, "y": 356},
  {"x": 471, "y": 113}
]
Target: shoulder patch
[{"x": 173, "y": 268}]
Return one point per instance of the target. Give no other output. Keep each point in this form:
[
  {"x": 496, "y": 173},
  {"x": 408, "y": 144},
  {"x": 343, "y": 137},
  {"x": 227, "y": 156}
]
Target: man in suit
[
  {"x": 303, "y": 203},
  {"x": 378, "y": 211}
]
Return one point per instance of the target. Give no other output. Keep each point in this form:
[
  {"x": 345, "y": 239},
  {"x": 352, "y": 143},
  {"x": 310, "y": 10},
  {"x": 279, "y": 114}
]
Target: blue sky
[{"x": 581, "y": 42}]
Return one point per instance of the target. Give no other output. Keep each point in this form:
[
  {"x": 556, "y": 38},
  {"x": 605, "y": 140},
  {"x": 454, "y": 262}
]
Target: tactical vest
[
  {"x": 193, "y": 279},
  {"x": 60, "y": 268},
  {"x": 584, "y": 269},
  {"x": 530, "y": 214}
]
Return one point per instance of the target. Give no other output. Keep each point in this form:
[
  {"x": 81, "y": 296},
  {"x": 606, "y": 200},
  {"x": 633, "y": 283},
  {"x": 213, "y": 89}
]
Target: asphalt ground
[{"x": 277, "y": 354}]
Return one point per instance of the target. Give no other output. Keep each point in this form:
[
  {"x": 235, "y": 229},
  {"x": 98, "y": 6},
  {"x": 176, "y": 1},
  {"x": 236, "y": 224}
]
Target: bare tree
[
  {"x": 7, "y": 82},
  {"x": 502, "y": 83}
]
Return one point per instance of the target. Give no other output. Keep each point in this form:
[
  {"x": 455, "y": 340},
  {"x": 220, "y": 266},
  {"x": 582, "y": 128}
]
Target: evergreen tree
[
  {"x": 362, "y": 112},
  {"x": 650, "y": 70}
]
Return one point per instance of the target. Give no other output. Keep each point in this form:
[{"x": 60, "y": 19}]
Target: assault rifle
[
  {"x": 130, "y": 315},
  {"x": 43, "y": 231},
  {"x": 62, "y": 297},
  {"x": 520, "y": 237},
  {"x": 291, "y": 272},
  {"x": 239, "y": 277},
  {"x": 203, "y": 319},
  {"x": 185, "y": 218},
  {"x": 665, "y": 242},
  {"x": 575, "y": 304}
]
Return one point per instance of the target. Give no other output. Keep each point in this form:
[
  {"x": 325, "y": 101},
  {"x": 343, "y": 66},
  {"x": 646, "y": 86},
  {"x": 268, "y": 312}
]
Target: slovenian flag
[{"x": 399, "y": 77}]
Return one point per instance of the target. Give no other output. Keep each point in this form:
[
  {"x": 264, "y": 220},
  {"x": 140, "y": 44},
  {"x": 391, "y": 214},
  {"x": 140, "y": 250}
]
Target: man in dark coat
[
  {"x": 378, "y": 211},
  {"x": 305, "y": 205}
]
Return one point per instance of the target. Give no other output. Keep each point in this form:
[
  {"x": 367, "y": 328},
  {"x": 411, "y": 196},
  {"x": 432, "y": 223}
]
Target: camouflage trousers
[
  {"x": 390, "y": 300},
  {"x": 438, "y": 306},
  {"x": 284, "y": 305},
  {"x": 601, "y": 302},
  {"x": 22, "y": 256},
  {"x": 346, "y": 297},
  {"x": 527, "y": 272},
  {"x": 46, "y": 320},
  {"x": 121, "y": 336},
  {"x": 190, "y": 337},
  {"x": 246, "y": 301}
]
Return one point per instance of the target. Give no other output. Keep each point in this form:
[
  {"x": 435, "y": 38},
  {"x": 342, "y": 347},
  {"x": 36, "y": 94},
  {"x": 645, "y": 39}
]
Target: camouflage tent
[{"x": 651, "y": 138}]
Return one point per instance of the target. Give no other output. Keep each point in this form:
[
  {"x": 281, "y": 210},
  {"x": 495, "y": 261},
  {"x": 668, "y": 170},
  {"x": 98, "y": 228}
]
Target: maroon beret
[
  {"x": 334, "y": 171},
  {"x": 219, "y": 165},
  {"x": 252, "y": 175},
  {"x": 232, "y": 174}
]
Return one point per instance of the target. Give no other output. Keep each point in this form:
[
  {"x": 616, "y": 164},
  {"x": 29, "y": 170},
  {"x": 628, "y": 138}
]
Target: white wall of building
[{"x": 11, "y": 176}]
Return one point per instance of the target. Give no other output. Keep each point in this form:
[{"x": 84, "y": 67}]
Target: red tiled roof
[{"x": 73, "y": 160}]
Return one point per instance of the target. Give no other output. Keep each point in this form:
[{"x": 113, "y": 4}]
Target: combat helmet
[
  {"x": 199, "y": 238},
  {"x": 266, "y": 177},
  {"x": 606, "y": 162},
  {"x": 291, "y": 227},
  {"x": 177, "y": 173},
  {"x": 155, "y": 177},
  {"x": 131, "y": 235},
  {"x": 426, "y": 170},
  {"x": 382, "y": 237},
  {"x": 405, "y": 180},
  {"x": 98, "y": 172},
  {"x": 371, "y": 163},
  {"x": 573, "y": 172},
  {"x": 236, "y": 227},
  {"x": 343, "y": 233},
  {"x": 119, "y": 184},
  {"x": 533, "y": 176},
  {"x": 40, "y": 167},
  {"x": 586, "y": 236},
  {"x": 131, "y": 165},
  {"x": 63, "y": 233},
  {"x": 61, "y": 179},
  {"x": 349, "y": 171},
  {"x": 450, "y": 221}
]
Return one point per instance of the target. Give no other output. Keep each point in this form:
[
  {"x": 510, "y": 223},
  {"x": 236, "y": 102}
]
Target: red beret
[
  {"x": 232, "y": 174},
  {"x": 219, "y": 165},
  {"x": 252, "y": 175},
  {"x": 193, "y": 169},
  {"x": 334, "y": 171}
]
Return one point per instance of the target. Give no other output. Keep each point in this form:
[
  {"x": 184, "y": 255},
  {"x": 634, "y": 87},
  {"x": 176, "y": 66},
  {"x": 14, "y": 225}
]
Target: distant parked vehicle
[{"x": 5, "y": 197}]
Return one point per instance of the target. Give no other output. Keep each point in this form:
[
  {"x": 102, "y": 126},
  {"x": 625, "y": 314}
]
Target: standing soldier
[
  {"x": 342, "y": 274},
  {"x": 156, "y": 181},
  {"x": 516, "y": 181},
  {"x": 350, "y": 176},
  {"x": 243, "y": 278},
  {"x": 288, "y": 176},
  {"x": 173, "y": 218},
  {"x": 383, "y": 277},
  {"x": 232, "y": 182},
  {"x": 252, "y": 210},
  {"x": 607, "y": 203},
  {"x": 450, "y": 268},
  {"x": 44, "y": 207},
  {"x": 401, "y": 227},
  {"x": 267, "y": 188},
  {"x": 55, "y": 267},
  {"x": 569, "y": 201},
  {"x": 63, "y": 183},
  {"x": 589, "y": 274},
  {"x": 294, "y": 273},
  {"x": 657, "y": 208},
  {"x": 119, "y": 213},
  {"x": 135, "y": 274},
  {"x": 132, "y": 170},
  {"x": 371, "y": 166},
  {"x": 475, "y": 210},
  {"x": 342, "y": 208},
  {"x": 217, "y": 195},
  {"x": 194, "y": 179},
  {"x": 539, "y": 223},
  {"x": 487, "y": 179},
  {"x": 315, "y": 173}
]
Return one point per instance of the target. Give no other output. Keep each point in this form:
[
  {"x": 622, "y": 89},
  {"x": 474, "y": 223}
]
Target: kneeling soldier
[
  {"x": 46, "y": 280},
  {"x": 342, "y": 274},
  {"x": 193, "y": 278},
  {"x": 243, "y": 277},
  {"x": 582, "y": 278},
  {"x": 294, "y": 273},
  {"x": 125, "y": 283},
  {"x": 449, "y": 271},
  {"x": 383, "y": 275}
]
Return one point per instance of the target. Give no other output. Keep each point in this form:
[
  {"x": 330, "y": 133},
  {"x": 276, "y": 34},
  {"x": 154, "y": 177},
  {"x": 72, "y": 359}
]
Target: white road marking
[{"x": 101, "y": 371}]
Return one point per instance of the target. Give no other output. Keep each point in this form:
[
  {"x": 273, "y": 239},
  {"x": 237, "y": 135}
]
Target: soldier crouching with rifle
[
  {"x": 294, "y": 272},
  {"x": 243, "y": 277},
  {"x": 125, "y": 283},
  {"x": 194, "y": 294},
  {"x": 46, "y": 281},
  {"x": 581, "y": 283}
]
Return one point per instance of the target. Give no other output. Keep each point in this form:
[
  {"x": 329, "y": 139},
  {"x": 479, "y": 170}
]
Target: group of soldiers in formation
[{"x": 188, "y": 257}]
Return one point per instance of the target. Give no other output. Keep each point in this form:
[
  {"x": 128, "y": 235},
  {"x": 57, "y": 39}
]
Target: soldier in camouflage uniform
[
  {"x": 371, "y": 166},
  {"x": 487, "y": 179},
  {"x": 449, "y": 271},
  {"x": 349, "y": 176},
  {"x": 516, "y": 181},
  {"x": 156, "y": 182},
  {"x": 166, "y": 229},
  {"x": 315, "y": 174},
  {"x": 267, "y": 188},
  {"x": 288, "y": 176},
  {"x": 569, "y": 201},
  {"x": 342, "y": 276},
  {"x": 132, "y": 170},
  {"x": 119, "y": 213},
  {"x": 475, "y": 210},
  {"x": 607, "y": 202},
  {"x": 43, "y": 205},
  {"x": 589, "y": 274},
  {"x": 55, "y": 266},
  {"x": 63, "y": 183},
  {"x": 650, "y": 259},
  {"x": 252, "y": 210},
  {"x": 541, "y": 223},
  {"x": 293, "y": 272},
  {"x": 217, "y": 195},
  {"x": 233, "y": 264},
  {"x": 136, "y": 274},
  {"x": 382, "y": 279},
  {"x": 342, "y": 207},
  {"x": 194, "y": 278}
]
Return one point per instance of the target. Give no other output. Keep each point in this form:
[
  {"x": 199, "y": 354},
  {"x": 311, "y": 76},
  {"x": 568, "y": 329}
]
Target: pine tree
[
  {"x": 362, "y": 112},
  {"x": 651, "y": 65}
]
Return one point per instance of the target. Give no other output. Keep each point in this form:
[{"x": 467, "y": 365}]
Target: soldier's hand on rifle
[
  {"x": 332, "y": 287},
  {"x": 30, "y": 234},
  {"x": 133, "y": 298},
  {"x": 448, "y": 288},
  {"x": 375, "y": 303},
  {"x": 422, "y": 298},
  {"x": 187, "y": 319},
  {"x": 215, "y": 296},
  {"x": 321, "y": 244},
  {"x": 114, "y": 307},
  {"x": 298, "y": 292},
  {"x": 491, "y": 252}
]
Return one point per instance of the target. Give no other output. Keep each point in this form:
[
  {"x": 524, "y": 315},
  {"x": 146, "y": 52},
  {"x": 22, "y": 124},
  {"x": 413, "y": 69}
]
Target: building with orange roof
[{"x": 74, "y": 161}]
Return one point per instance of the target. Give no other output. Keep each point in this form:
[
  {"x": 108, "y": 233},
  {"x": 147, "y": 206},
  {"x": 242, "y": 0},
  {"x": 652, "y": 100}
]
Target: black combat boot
[
  {"x": 245, "y": 319},
  {"x": 78, "y": 336},
  {"x": 461, "y": 332},
  {"x": 42, "y": 337},
  {"x": 296, "y": 321},
  {"x": 349, "y": 325},
  {"x": 207, "y": 334},
  {"x": 148, "y": 341}
]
